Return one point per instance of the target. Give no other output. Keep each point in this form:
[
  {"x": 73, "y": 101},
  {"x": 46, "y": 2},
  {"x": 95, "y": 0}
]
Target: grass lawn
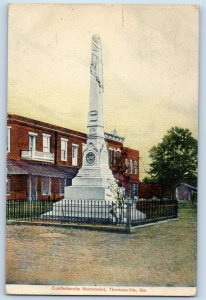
[{"x": 159, "y": 255}]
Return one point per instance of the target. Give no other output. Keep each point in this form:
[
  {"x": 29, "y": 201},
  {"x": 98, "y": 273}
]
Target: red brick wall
[
  {"x": 55, "y": 190},
  {"x": 20, "y": 127},
  {"x": 55, "y": 187},
  {"x": 130, "y": 154},
  {"x": 134, "y": 156},
  {"x": 18, "y": 188},
  {"x": 149, "y": 190},
  {"x": 71, "y": 140},
  {"x": 114, "y": 144},
  {"x": 19, "y": 139}
]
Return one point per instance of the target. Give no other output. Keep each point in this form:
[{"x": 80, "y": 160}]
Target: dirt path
[{"x": 160, "y": 255}]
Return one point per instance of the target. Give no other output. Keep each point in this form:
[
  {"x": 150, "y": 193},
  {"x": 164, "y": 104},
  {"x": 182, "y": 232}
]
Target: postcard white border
[
  {"x": 201, "y": 287},
  {"x": 20, "y": 289}
]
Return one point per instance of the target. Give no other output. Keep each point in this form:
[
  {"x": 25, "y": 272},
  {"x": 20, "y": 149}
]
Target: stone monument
[
  {"x": 91, "y": 182},
  {"x": 91, "y": 185}
]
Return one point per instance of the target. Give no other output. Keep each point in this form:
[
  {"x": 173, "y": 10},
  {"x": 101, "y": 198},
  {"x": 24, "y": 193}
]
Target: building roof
[
  {"x": 15, "y": 119},
  {"x": 189, "y": 186},
  {"x": 114, "y": 137},
  {"x": 14, "y": 169},
  {"x": 26, "y": 168}
]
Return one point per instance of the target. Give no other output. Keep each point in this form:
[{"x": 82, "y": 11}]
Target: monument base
[
  {"x": 81, "y": 211},
  {"x": 98, "y": 193},
  {"x": 92, "y": 212}
]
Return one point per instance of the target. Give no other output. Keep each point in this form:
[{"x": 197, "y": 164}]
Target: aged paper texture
[{"x": 102, "y": 149}]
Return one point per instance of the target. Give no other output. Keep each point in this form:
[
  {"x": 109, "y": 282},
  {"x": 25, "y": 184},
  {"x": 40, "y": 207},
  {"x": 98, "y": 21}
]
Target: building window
[
  {"x": 114, "y": 157},
  {"x": 75, "y": 154},
  {"x": 32, "y": 188},
  {"x": 32, "y": 141},
  {"x": 62, "y": 184},
  {"x": 110, "y": 157},
  {"x": 131, "y": 166},
  {"x": 135, "y": 167},
  {"x": 46, "y": 186},
  {"x": 126, "y": 165},
  {"x": 64, "y": 149},
  {"x": 8, "y": 139},
  {"x": 118, "y": 153},
  {"x": 46, "y": 143},
  {"x": 8, "y": 185}
]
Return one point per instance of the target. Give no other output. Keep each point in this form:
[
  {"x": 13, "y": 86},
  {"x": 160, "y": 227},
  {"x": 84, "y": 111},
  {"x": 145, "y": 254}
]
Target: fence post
[
  {"x": 176, "y": 208},
  {"x": 128, "y": 222},
  {"x": 31, "y": 210}
]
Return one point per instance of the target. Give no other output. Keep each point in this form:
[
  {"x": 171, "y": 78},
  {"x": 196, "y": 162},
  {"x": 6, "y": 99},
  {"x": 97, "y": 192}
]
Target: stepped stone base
[
  {"x": 66, "y": 209},
  {"x": 99, "y": 211}
]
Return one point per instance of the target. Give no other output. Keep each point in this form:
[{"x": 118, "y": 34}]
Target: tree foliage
[
  {"x": 120, "y": 170},
  {"x": 174, "y": 159}
]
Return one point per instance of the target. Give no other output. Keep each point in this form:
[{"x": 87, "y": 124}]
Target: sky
[{"x": 150, "y": 63}]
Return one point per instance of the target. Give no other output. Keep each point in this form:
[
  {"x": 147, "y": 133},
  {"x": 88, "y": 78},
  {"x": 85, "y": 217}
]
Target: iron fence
[{"x": 127, "y": 214}]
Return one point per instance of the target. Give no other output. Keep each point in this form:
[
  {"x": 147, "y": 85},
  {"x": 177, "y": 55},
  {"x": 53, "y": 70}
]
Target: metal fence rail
[{"x": 127, "y": 214}]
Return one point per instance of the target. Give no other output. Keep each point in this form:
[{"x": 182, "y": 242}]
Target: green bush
[{"x": 27, "y": 210}]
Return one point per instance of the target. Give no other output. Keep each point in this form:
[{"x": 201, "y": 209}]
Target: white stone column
[{"x": 92, "y": 179}]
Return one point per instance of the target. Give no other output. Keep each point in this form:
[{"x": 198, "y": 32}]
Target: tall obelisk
[{"x": 94, "y": 176}]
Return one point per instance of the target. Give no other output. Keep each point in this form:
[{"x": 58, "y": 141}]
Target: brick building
[{"x": 43, "y": 158}]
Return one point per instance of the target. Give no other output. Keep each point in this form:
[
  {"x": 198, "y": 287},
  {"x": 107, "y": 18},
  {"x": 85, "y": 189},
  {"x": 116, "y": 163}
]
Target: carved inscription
[{"x": 93, "y": 116}]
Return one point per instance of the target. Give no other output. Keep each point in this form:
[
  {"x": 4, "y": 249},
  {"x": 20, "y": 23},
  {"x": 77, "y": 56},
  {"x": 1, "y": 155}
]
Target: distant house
[{"x": 186, "y": 192}]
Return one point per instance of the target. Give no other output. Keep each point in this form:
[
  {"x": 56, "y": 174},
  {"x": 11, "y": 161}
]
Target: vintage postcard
[{"x": 102, "y": 134}]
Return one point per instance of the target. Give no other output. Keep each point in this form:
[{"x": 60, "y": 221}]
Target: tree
[
  {"x": 174, "y": 159},
  {"x": 149, "y": 180},
  {"x": 120, "y": 169}
]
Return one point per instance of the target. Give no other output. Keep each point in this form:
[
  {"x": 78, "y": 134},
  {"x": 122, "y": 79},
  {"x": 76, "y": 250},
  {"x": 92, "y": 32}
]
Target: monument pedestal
[
  {"x": 81, "y": 211},
  {"x": 93, "y": 212},
  {"x": 91, "y": 183},
  {"x": 90, "y": 197},
  {"x": 93, "y": 179},
  {"x": 99, "y": 193}
]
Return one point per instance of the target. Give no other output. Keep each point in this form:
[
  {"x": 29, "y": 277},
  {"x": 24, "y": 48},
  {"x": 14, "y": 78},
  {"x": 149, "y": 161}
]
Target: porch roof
[
  {"x": 14, "y": 169},
  {"x": 25, "y": 168}
]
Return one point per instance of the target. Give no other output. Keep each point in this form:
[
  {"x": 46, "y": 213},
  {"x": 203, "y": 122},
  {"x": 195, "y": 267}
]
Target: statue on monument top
[{"x": 96, "y": 68}]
